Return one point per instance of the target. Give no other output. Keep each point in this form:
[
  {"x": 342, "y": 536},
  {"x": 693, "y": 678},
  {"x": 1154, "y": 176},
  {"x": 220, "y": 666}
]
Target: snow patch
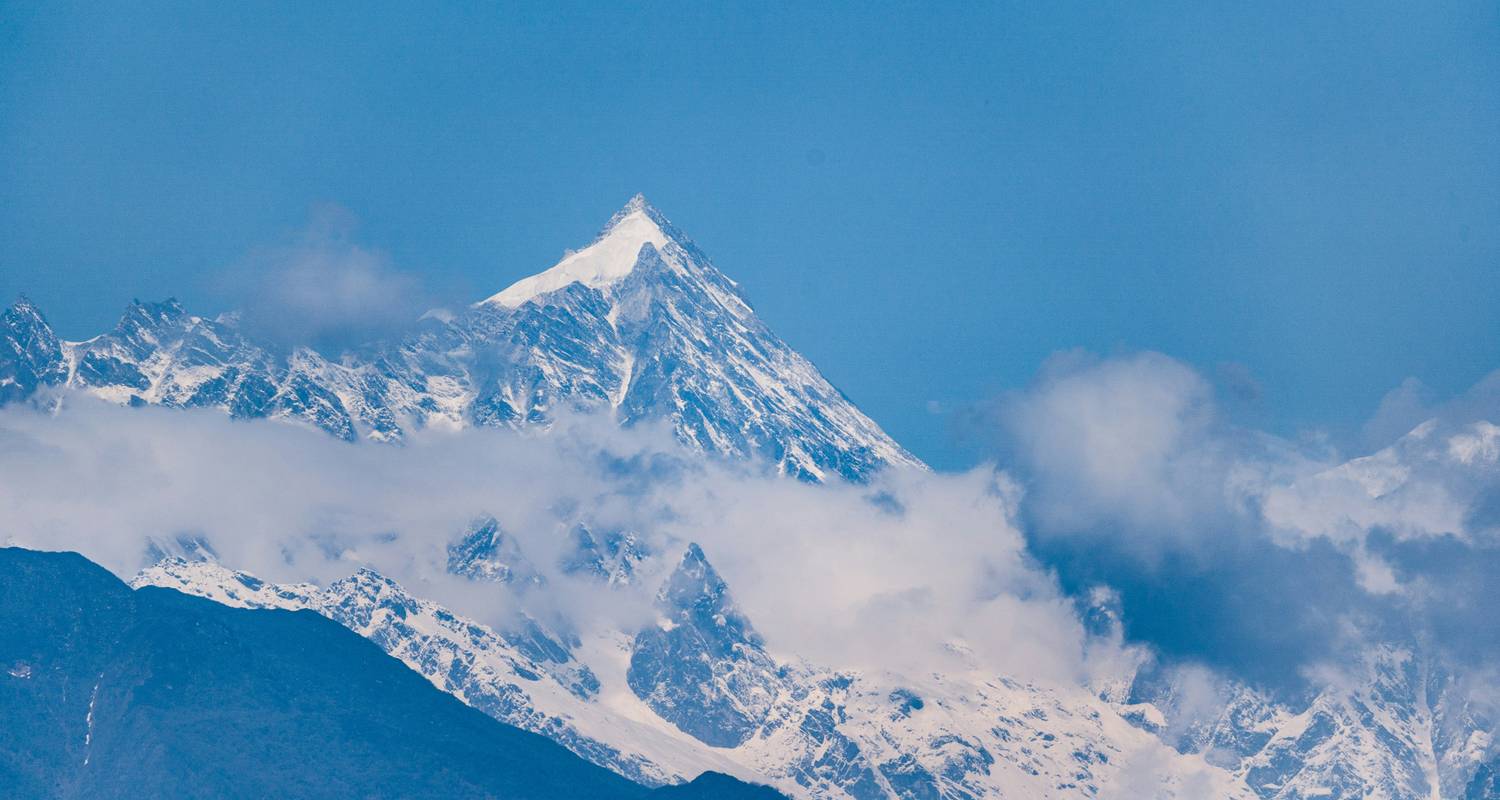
[{"x": 611, "y": 257}]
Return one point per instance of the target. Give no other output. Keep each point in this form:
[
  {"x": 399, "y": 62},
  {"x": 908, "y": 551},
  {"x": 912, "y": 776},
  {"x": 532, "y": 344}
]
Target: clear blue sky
[{"x": 925, "y": 200}]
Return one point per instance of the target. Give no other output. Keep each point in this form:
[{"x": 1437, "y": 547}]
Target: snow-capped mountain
[
  {"x": 639, "y": 324},
  {"x": 698, "y": 690},
  {"x": 1401, "y": 727}
]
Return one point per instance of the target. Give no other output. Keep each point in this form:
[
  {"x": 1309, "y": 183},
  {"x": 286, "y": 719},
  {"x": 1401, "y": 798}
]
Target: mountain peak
[
  {"x": 696, "y": 594},
  {"x": 611, "y": 256},
  {"x": 30, "y": 353},
  {"x": 637, "y": 203},
  {"x": 24, "y": 307},
  {"x": 151, "y": 315}
]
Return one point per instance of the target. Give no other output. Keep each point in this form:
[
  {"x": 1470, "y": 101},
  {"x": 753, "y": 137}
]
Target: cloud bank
[
  {"x": 845, "y": 576},
  {"x": 1224, "y": 548}
]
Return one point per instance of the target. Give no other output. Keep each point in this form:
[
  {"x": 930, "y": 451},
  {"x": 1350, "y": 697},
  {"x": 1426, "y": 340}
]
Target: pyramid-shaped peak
[
  {"x": 696, "y": 595},
  {"x": 695, "y": 583},
  {"x": 694, "y": 561}
]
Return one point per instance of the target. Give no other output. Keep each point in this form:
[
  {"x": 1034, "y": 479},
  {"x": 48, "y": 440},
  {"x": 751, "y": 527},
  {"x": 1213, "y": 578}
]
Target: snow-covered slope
[
  {"x": 698, "y": 690},
  {"x": 638, "y": 325},
  {"x": 1422, "y": 485}
]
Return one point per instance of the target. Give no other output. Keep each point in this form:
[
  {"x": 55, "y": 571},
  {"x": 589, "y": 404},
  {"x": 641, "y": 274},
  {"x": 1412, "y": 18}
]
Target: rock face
[
  {"x": 703, "y": 668},
  {"x": 151, "y": 693},
  {"x": 31, "y": 357},
  {"x": 490, "y": 554},
  {"x": 639, "y": 325},
  {"x": 1485, "y": 784}
]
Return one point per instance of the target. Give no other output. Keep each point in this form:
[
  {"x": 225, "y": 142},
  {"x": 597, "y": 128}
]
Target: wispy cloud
[{"x": 323, "y": 288}]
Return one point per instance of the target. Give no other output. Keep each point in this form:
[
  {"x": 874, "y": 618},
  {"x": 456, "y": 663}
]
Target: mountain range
[
  {"x": 641, "y": 327},
  {"x": 638, "y": 324}
]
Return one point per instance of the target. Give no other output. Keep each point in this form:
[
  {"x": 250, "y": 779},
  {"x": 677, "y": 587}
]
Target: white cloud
[
  {"x": 1156, "y": 772},
  {"x": 323, "y": 288},
  {"x": 829, "y": 573},
  {"x": 1134, "y": 442}
]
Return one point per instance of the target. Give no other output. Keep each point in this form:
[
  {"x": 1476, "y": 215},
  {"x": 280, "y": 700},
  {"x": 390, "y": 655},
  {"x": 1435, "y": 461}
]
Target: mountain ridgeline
[{"x": 639, "y": 325}]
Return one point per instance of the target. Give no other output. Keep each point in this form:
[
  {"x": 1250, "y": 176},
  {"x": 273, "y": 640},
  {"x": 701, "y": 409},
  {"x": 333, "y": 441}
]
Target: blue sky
[{"x": 927, "y": 202}]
